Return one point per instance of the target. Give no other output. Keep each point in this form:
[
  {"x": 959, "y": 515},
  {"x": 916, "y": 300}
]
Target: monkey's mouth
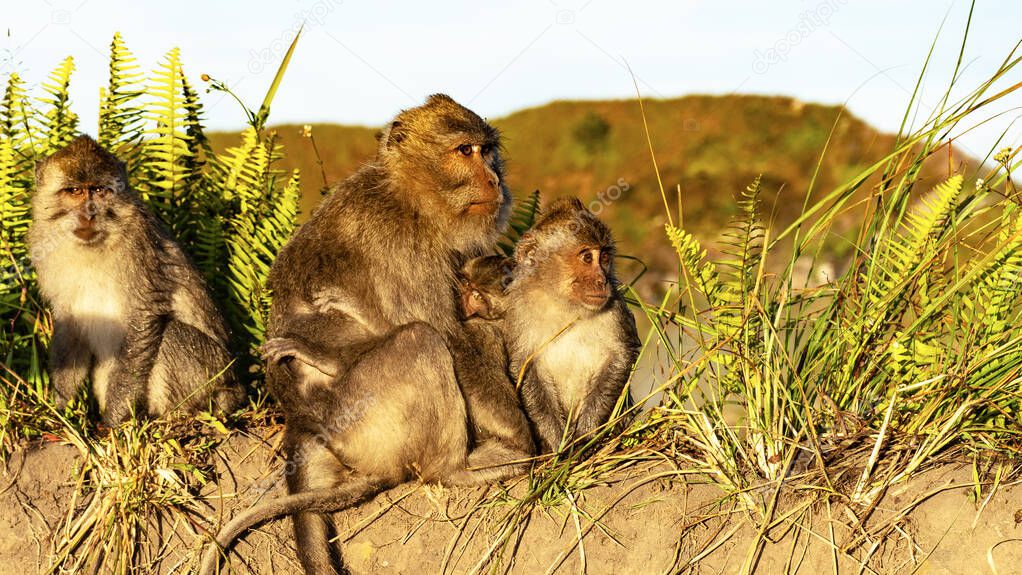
[
  {"x": 88, "y": 235},
  {"x": 595, "y": 300},
  {"x": 483, "y": 208}
]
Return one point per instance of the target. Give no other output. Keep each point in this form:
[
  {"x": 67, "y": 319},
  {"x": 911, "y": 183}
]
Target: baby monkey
[
  {"x": 500, "y": 430},
  {"x": 571, "y": 337},
  {"x": 130, "y": 312}
]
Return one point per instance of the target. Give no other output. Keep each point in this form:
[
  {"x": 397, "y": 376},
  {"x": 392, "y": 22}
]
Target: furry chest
[
  {"x": 81, "y": 286},
  {"x": 573, "y": 360}
]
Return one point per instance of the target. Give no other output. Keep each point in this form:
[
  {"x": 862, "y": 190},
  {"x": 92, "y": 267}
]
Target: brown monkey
[
  {"x": 499, "y": 429},
  {"x": 388, "y": 243},
  {"x": 130, "y": 311},
  {"x": 571, "y": 336}
]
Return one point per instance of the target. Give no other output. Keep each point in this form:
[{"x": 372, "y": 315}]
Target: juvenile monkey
[
  {"x": 130, "y": 312},
  {"x": 482, "y": 285},
  {"x": 387, "y": 243},
  {"x": 571, "y": 336}
]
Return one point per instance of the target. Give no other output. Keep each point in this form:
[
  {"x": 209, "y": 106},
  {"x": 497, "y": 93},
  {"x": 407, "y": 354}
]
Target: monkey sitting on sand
[
  {"x": 571, "y": 337},
  {"x": 130, "y": 312}
]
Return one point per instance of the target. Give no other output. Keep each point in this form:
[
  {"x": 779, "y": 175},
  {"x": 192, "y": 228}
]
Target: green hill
[{"x": 712, "y": 146}]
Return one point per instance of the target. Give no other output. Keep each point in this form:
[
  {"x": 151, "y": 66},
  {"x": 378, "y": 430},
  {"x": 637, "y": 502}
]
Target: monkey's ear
[
  {"x": 393, "y": 133},
  {"x": 525, "y": 250}
]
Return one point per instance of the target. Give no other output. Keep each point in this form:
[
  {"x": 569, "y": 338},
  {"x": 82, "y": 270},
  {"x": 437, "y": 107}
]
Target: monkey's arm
[
  {"x": 543, "y": 411},
  {"x": 608, "y": 384},
  {"x": 70, "y": 360},
  {"x": 129, "y": 381},
  {"x": 598, "y": 405}
]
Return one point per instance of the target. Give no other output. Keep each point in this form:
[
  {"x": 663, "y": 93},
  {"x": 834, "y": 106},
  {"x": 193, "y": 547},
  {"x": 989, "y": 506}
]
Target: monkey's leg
[
  {"x": 70, "y": 360},
  {"x": 544, "y": 412},
  {"x": 334, "y": 300},
  {"x": 192, "y": 370}
]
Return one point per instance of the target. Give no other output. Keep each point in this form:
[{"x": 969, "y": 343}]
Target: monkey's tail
[{"x": 326, "y": 500}]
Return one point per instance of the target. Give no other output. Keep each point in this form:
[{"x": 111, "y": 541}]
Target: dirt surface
[{"x": 653, "y": 526}]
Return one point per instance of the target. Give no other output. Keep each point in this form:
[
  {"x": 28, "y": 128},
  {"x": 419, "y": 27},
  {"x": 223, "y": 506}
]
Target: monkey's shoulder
[{"x": 365, "y": 195}]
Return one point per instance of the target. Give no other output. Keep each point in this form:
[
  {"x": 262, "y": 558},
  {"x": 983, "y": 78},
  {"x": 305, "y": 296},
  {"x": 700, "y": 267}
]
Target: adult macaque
[
  {"x": 130, "y": 311},
  {"x": 369, "y": 284}
]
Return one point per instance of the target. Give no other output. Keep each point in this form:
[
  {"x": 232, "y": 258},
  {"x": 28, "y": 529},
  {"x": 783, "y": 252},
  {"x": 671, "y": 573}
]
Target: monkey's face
[
  {"x": 449, "y": 159},
  {"x": 475, "y": 176},
  {"x": 569, "y": 255},
  {"x": 87, "y": 205},
  {"x": 587, "y": 275},
  {"x": 81, "y": 190}
]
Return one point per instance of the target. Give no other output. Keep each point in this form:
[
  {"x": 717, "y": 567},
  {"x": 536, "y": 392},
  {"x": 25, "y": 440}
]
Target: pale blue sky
[{"x": 359, "y": 61}]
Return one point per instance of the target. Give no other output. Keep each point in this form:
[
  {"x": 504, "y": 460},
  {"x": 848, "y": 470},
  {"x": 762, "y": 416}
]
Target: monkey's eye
[
  {"x": 101, "y": 191},
  {"x": 465, "y": 149},
  {"x": 74, "y": 191},
  {"x": 486, "y": 149},
  {"x": 587, "y": 257},
  {"x": 604, "y": 258}
]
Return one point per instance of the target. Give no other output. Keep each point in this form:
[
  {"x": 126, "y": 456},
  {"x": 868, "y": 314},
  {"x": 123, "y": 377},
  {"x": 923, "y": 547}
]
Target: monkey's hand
[{"x": 282, "y": 349}]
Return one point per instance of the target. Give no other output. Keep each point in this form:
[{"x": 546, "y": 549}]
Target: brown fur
[{"x": 365, "y": 353}]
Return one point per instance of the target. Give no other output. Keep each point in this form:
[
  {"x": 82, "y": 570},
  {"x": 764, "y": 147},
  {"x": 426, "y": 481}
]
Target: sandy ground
[{"x": 654, "y": 526}]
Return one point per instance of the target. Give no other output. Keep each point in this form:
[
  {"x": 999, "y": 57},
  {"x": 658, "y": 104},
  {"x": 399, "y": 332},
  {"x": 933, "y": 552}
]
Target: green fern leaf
[
  {"x": 522, "y": 218},
  {"x": 59, "y": 123}
]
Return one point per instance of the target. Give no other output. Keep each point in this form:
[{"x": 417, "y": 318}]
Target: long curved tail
[{"x": 326, "y": 500}]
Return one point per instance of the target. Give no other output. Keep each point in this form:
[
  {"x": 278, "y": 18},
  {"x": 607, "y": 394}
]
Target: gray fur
[{"x": 129, "y": 309}]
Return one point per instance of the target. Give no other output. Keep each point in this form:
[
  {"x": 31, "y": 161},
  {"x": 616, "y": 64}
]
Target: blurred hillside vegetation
[{"x": 712, "y": 146}]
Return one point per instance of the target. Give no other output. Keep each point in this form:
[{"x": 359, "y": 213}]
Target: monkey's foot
[{"x": 281, "y": 349}]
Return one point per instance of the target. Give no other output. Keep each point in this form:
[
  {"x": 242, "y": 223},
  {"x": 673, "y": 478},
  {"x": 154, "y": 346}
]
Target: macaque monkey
[
  {"x": 571, "y": 337},
  {"x": 369, "y": 284},
  {"x": 130, "y": 312}
]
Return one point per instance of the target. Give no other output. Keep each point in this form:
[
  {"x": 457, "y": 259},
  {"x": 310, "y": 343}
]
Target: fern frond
[
  {"x": 121, "y": 113},
  {"x": 170, "y": 162},
  {"x": 59, "y": 123},
  {"x": 15, "y": 117},
  {"x": 522, "y": 218}
]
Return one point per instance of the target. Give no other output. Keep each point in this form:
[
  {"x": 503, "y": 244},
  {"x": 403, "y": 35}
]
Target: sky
[{"x": 359, "y": 62}]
